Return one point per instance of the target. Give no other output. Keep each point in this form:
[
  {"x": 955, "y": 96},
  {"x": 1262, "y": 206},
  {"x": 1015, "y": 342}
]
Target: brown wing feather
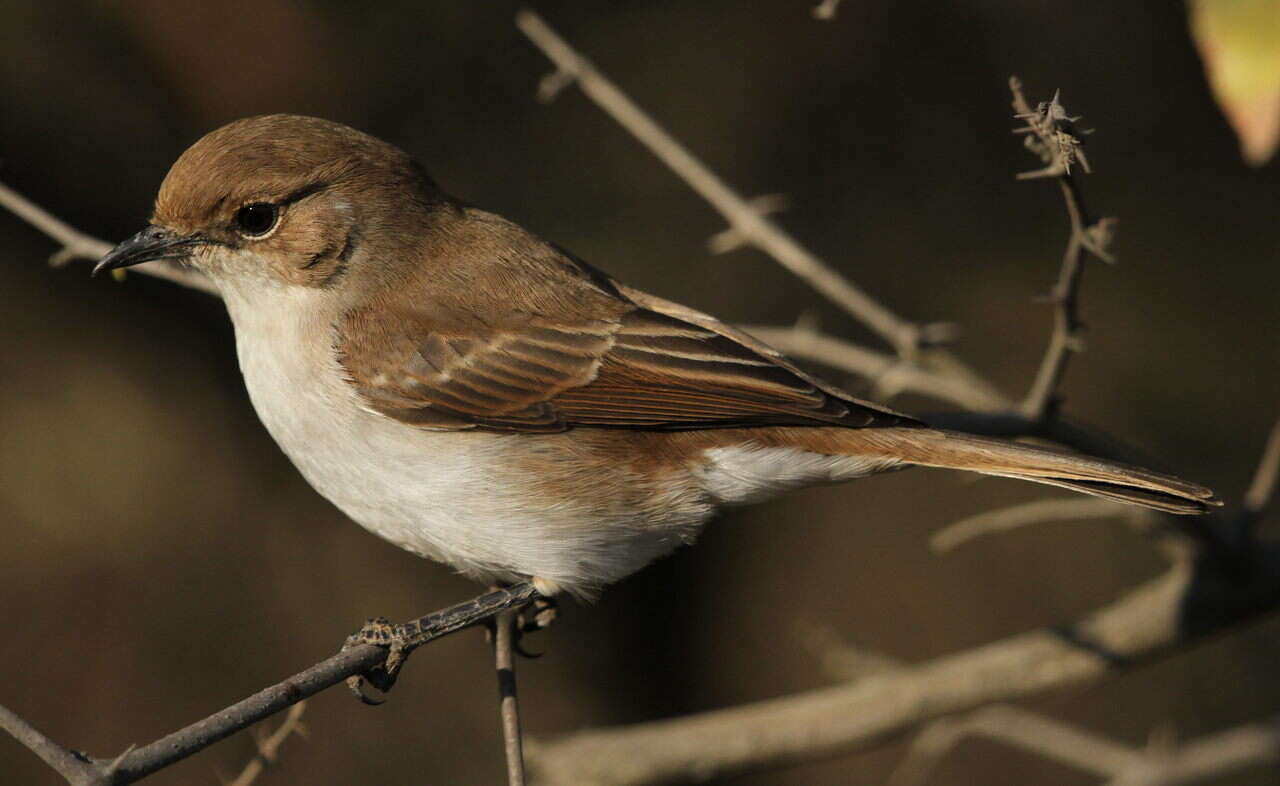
[
  {"x": 562, "y": 345},
  {"x": 645, "y": 370}
]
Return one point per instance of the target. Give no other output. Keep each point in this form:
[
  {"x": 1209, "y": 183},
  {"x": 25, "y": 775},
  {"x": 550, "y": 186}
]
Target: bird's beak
[{"x": 150, "y": 244}]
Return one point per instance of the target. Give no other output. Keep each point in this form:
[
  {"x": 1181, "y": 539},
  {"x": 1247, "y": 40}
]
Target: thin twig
[
  {"x": 840, "y": 659},
  {"x": 891, "y": 375},
  {"x": 1016, "y": 516},
  {"x": 1263, "y": 486},
  {"x": 78, "y": 245},
  {"x": 1217, "y": 755},
  {"x": 1052, "y": 135},
  {"x": 269, "y": 746},
  {"x": 745, "y": 220},
  {"x": 70, "y": 765},
  {"x": 504, "y": 659},
  {"x": 1019, "y": 728},
  {"x": 140, "y": 762}
]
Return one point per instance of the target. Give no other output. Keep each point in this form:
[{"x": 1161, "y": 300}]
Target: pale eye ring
[{"x": 257, "y": 220}]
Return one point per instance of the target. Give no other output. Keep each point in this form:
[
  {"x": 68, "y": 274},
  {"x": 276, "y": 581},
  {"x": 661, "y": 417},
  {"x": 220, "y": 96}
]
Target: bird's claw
[
  {"x": 380, "y": 632},
  {"x": 538, "y": 615}
]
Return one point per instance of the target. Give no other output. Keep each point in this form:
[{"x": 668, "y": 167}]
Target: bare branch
[
  {"x": 1052, "y": 135},
  {"x": 1022, "y": 729},
  {"x": 269, "y": 746},
  {"x": 75, "y": 767},
  {"x": 1214, "y": 756},
  {"x": 748, "y": 222},
  {"x": 891, "y": 375},
  {"x": 77, "y": 245},
  {"x": 1147, "y": 622},
  {"x": 1016, "y": 516}
]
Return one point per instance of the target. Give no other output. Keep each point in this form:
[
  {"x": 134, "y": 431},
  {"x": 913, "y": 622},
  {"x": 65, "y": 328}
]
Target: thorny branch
[{"x": 1052, "y": 135}]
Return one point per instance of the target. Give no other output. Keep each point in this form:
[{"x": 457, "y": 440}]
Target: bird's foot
[
  {"x": 400, "y": 639},
  {"x": 541, "y": 612},
  {"x": 538, "y": 615},
  {"x": 380, "y": 632}
]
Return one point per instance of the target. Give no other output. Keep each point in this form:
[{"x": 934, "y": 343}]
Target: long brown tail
[{"x": 953, "y": 450}]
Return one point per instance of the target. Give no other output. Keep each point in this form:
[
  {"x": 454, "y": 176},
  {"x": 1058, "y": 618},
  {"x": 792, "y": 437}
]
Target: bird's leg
[{"x": 403, "y": 638}]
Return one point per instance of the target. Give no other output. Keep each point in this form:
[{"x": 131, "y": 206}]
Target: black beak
[{"x": 150, "y": 244}]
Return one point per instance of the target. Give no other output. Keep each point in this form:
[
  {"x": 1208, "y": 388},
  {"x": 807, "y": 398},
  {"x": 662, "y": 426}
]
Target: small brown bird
[{"x": 478, "y": 396}]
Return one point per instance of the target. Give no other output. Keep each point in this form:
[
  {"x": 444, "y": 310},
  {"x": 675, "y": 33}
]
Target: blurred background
[{"x": 161, "y": 558}]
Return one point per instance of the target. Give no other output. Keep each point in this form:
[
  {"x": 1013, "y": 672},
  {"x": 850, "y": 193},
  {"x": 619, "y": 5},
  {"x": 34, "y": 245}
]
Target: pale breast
[{"x": 471, "y": 499}]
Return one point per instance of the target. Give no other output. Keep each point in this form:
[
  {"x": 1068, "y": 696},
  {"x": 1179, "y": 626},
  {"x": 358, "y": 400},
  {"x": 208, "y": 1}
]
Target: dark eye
[{"x": 257, "y": 219}]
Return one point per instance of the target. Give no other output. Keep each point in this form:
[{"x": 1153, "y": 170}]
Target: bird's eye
[{"x": 257, "y": 220}]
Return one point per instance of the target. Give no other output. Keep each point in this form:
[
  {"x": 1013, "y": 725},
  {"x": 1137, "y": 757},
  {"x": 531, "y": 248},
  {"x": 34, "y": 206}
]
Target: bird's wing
[
  {"x": 641, "y": 369},
  {"x": 561, "y": 345}
]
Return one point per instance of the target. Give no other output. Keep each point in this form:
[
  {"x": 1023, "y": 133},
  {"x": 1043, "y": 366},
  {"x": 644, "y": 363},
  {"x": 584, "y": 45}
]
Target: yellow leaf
[{"x": 1239, "y": 42}]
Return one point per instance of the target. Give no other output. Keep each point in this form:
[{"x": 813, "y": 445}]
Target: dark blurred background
[{"x": 161, "y": 557}]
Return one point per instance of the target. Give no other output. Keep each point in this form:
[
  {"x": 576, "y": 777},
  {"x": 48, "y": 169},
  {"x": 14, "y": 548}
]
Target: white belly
[
  {"x": 450, "y": 496},
  {"x": 462, "y": 497}
]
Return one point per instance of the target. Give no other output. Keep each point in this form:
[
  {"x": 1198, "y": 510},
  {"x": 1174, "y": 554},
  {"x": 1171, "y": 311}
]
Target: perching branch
[{"x": 137, "y": 763}]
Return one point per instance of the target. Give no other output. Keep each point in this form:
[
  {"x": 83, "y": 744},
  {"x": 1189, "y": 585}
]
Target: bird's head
[{"x": 282, "y": 199}]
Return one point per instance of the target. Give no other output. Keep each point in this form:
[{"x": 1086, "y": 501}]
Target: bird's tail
[{"x": 1112, "y": 480}]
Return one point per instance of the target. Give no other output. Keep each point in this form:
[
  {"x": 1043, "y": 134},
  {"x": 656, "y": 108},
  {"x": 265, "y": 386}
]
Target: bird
[{"x": 483, "y": 398}]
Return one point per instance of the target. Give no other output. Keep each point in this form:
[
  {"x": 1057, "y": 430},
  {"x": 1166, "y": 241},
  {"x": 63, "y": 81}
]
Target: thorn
[
  {"x": 553, "y": 84},
  {"x": 826, "y": 10},
  {"x": 117, "y": 761},
  {"x": 733, "y": 238},
  {"x": 725, "y": 241},
  {"x": 807, "y": 322},
  {"x": 61, "y": 257},
  {"x": 934, "y": 334}
]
